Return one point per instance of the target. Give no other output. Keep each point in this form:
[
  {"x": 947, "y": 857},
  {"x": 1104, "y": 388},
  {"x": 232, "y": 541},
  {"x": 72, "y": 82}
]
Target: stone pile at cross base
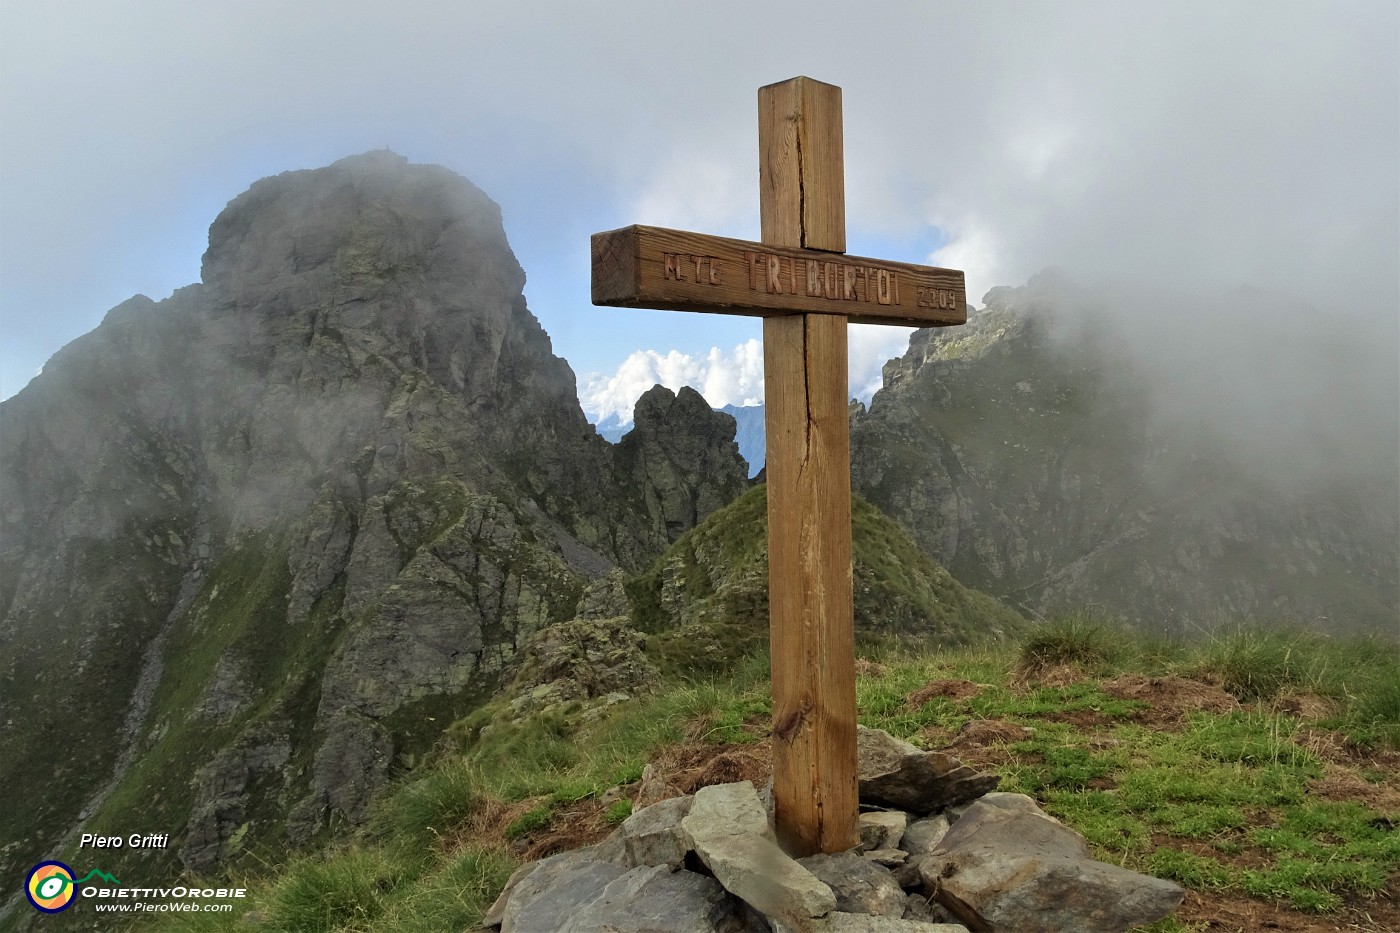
[{"x": 940, "y": 850}]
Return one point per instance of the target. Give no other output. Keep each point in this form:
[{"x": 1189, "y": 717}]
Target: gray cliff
[{"x": 263, "y": 540}]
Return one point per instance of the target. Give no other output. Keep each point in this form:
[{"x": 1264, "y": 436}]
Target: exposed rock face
[
  {"x": 276, "y": 531},
  {"x": 683, "y": 456},
  {"x": 1044, "y": 465}
]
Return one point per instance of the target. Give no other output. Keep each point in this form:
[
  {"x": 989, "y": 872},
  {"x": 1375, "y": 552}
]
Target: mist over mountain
[
  {"x": 1150, "y": 455},
  {"x": 266, "y": 538}
]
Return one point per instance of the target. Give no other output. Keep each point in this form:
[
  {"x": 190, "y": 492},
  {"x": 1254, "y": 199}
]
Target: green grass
[{"x": 1220, "y": 803}]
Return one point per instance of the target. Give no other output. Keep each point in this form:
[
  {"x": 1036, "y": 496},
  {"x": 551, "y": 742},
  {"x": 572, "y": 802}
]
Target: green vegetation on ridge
[{"x": 1225, "y": 791}]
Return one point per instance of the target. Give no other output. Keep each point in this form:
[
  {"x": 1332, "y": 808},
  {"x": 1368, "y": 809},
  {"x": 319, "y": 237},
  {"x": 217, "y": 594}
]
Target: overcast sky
[{"x": 1202, "y": 145}]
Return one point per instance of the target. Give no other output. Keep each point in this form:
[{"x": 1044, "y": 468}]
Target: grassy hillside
[{"x": 1260, "y": 769}]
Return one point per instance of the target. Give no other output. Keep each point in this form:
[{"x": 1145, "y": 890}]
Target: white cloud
[
  {"x": 868, "y": 347},
  {"x": 733, "y": 377}
]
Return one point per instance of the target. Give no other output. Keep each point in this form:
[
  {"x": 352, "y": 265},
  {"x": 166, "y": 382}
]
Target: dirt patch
[
  {"x": 689, "y": 766},
  {"x": 1343, "y": 784},
  {"x": 570, "y": 827},
  {"x": 1331, "y": 745},
  {"x": 990, "y": 732},
  {"x": 1046, "y": 675},
  {"x": 949, "y": 689},
  {"x": 1230, "y": 913},
  {"x": 1085, "y": 720},
  {"x": 1306, "y": 706},
  {"x": 1169, "y": 698}
]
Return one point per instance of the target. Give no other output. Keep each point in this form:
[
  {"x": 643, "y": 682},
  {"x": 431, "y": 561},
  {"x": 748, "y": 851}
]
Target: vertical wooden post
[{"x": 802, "y": 200}]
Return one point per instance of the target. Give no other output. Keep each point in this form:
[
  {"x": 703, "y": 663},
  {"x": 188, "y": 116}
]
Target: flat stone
[
  {"x": 1009, "y": 869},
  {"x": 558, "y": 887},
  {"x": 653, "y": 836},
  {"x": 860, "y": 886},
  {"x": 882, "y": 829},
  {"x": 1022, "y": 802},
  {"x": 729, "y": 831},
  {"x": 654, "y": 899},
  {"x": 893, "y": 773},
  {"x": 497, "y": 911},
  {"x": 923, "y": 836},
  {"x": 890, "y": 858}
]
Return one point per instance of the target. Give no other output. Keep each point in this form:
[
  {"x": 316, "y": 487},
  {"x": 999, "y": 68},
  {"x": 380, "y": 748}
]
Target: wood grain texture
[
  {"x": 802, "y": 179},
  {"x": 652, "y": 267},
  {"x": 802, "y": 201},
  {"x": 811, "y": 625}
]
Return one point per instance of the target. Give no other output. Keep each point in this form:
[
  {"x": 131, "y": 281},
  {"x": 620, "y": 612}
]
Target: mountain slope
[
  {"x": 1041, "y": 459},
  {"x": 258, "y": 538}
]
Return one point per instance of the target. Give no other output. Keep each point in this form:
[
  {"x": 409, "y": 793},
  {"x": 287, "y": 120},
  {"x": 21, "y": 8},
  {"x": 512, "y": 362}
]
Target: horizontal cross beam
[{"x": 652, "y": 267}]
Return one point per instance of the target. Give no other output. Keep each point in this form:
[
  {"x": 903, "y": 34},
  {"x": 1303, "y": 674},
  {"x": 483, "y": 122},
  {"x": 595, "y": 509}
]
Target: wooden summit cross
[{"x": 806, "y": 290}]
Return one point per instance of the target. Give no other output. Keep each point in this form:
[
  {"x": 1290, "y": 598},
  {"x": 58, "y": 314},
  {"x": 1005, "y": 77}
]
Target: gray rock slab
[
  {"x": 890, "y": 858},
  {"x": 882, "y": 829},
  {"x": 653, "y": 836},
  {"x": 1009, "y": 869},
  {"x": 893, "y": 773},
  {"x": 654, "y": 899},
  {"x": 923, "y": 836},
  {"x": 559, "y": 886},
  {"x": 497, "y": 911},
  {"x": 860, "y": 886},
  {"x": 1022, "y": 802},
  {"x": 729, "y": 831}
]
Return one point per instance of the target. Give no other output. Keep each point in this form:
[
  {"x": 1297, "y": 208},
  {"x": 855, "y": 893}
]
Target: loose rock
[
  {"x": 729, "y": 831},
  {"x": 893, "y": 773},
  {"x": 882, "y": 829},
  {"x": 1005, "y": 869},
  {"x": 860, "y": 885}
]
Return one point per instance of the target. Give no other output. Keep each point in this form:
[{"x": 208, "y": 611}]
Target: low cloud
[{"x": 733, "y": 377}]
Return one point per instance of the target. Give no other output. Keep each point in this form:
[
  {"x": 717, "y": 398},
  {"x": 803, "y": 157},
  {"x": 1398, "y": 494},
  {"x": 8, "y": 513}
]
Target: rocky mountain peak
[{"x": 306, "y": 510}]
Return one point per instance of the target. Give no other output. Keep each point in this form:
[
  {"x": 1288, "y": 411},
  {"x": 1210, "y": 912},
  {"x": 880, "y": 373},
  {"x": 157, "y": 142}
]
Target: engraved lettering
[
  {"x": 882, "y": 287},
  {"x": 697, "y": 260},
  {"x": 829, "y": 280},
  {"x": 775, "y": 271},
  {"x": 671, "y": 269},
  {"x": 752, "y": 258},
  {"x": 792, "y": 275},
  {"x": 894, "y": 279},
  {"x": 848, "y": 281},
  {"x": 814, "y": 279},
  {"x": 714, "y": 270}
]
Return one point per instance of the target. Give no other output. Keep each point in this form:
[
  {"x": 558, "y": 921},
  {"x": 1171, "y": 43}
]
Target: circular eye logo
[{"x": 49, "y": 887}]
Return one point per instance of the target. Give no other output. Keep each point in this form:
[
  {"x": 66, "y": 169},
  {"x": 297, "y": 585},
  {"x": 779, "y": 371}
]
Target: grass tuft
[{"x": 1080, "y": 639}]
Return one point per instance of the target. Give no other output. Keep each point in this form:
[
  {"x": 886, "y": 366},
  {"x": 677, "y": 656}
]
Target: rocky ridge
[
  {"x": 266, "y": 537},
  {"x": 1039, "y": 455}
]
